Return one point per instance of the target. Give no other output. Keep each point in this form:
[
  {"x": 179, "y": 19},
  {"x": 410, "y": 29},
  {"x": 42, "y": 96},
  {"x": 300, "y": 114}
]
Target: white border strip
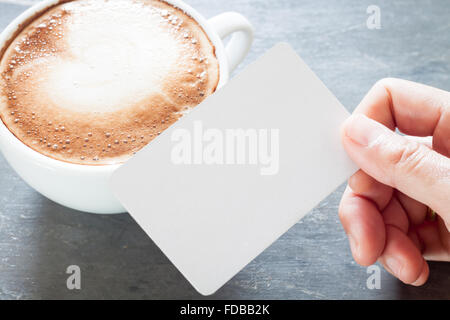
[{"x": 20, "y": 2}]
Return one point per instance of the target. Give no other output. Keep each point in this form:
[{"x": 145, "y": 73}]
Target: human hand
[{"x": 384, "y": 208}]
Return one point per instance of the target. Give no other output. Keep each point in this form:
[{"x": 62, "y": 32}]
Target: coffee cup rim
[{"x": 20, "y": 22}]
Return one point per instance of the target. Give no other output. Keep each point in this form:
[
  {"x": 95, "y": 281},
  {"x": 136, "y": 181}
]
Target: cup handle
[{"x": 234, "y": 23}]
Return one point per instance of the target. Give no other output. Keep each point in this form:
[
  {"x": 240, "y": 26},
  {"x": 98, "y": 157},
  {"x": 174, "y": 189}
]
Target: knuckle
[
  {"x": 384, "y": 82},
  {"x": 409, "y": 159}
]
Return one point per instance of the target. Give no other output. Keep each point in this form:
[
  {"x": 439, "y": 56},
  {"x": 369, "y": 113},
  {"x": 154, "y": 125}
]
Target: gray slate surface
[{"x": 39, "y": 239}]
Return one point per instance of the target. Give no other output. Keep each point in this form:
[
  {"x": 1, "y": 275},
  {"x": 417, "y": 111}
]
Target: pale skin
[{"x": 384, "y": 207}]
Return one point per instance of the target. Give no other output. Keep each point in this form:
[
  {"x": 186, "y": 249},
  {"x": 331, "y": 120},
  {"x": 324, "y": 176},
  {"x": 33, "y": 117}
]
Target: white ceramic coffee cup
[{"x": 84, "y": 187}]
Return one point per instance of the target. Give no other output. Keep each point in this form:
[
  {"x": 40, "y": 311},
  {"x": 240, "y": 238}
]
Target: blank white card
[{"x": 224, "y": 182}]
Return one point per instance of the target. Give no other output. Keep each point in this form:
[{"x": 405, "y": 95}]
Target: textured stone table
[{"x": 39, "y": 239}]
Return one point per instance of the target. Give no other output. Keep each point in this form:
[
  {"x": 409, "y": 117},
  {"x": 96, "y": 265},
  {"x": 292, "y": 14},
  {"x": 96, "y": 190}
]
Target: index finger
[{"x": 413, "y": 108}]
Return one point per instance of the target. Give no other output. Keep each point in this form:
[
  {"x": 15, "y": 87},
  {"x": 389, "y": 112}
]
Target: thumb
[{"x": 394, "y": 160}]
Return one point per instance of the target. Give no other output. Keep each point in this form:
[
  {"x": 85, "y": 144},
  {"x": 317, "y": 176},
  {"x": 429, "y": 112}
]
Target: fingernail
[
  {"x": 352, "y": 181},
  {"x": 363, "y": 130},
  {"x": 394, "y": 265}
]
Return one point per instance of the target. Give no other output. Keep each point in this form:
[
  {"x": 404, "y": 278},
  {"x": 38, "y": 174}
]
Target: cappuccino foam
[{"x": 94, "y": 81}]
